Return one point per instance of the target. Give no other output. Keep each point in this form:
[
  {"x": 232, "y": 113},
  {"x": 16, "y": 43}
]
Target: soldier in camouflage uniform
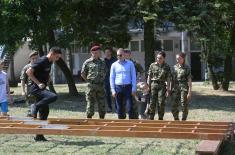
[
  {"x": 159, "y": 73},
  {"x": 94, "y": 71},
  {"x": 139, "y": 76},
  {"x": 26, "y": 82},
  {"x": 181, "y": 87}
]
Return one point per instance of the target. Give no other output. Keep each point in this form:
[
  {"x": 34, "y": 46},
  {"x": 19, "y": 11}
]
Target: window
[
  {"x": 168, "y": 45},
  {"x": 195, "y": 45},
  {"x": 158, "y": 45},
  {"x": 134, "y": 45}
]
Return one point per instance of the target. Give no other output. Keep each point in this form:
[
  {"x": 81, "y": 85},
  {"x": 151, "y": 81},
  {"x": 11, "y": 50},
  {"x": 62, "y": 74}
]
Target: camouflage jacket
[
  {"x": 180, "y": 76},
  {"x": 94, "y": 70},
  {"x": 24, "y": 77},
  {"x": 160, "y": 73}
]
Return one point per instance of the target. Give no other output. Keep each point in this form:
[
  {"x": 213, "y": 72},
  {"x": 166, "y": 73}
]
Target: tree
[
  {"x": 61, "y": 22},
  {"x": 226, "y": 9},
  {"x": 100, "y": 21},
  {"x": 42, "y": 22},
  {"x": 211, "y": 22},
  {"x": 153, "y": 13},
  {"x": 12, "y": 33}
]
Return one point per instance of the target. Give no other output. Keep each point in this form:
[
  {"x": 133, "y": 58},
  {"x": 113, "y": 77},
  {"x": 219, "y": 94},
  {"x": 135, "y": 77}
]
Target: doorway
[{"x": 196, "y": 68}]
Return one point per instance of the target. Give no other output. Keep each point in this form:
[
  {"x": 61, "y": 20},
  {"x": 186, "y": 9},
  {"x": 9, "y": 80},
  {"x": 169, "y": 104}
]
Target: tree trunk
[
  {"x": 64, "y": 68},
  {"x": 13, "y": 82},
  {"x": 68, "y": 76},
  {"x": 213, "y": 78},
  {"x": 149, "y": 43},
  {"x": 227, "y": 72},
  {"x": 40, "y": 51}
]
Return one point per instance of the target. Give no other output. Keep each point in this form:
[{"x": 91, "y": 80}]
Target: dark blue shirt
[
  {"x": 42, "y": 68},
  {"x": 109, "y": 63}
]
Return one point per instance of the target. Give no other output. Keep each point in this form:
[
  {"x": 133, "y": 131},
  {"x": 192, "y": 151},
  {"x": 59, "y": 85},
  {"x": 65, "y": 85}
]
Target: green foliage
[
  {"x": 61, "y": 22},
  {"x": 102, "y": 21},
  {"x": 12, "y": 29}
]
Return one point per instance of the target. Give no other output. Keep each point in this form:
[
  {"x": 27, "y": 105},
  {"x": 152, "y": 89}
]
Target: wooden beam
[
  {"x": 118, "y": 128},
  {"x": 208, "y": 147}
]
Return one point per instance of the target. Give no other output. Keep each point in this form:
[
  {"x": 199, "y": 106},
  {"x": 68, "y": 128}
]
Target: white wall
[{"x": 20, "y": 59}]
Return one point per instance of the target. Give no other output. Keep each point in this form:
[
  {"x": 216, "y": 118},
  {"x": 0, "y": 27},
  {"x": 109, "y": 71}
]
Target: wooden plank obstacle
[{"x": 215, "y": 131}]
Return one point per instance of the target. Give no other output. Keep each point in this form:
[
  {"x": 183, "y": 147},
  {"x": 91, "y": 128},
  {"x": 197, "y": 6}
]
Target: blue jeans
[
  {"x": 43, "y": 99},
  {"x": 4, "y": 106},
  {"x": 123, "y": 98}
]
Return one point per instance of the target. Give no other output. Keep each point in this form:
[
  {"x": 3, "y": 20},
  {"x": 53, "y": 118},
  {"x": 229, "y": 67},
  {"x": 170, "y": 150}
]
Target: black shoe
[
  {"x": 39, "y": 138},
  {"x": 151, "y": 117},
  {"x": 29, "y": 113},
  {"x": 88, "y": 116}
]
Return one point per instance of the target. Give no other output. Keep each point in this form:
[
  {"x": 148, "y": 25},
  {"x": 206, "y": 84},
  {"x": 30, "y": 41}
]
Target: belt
[{"x": 124, "y": 85}]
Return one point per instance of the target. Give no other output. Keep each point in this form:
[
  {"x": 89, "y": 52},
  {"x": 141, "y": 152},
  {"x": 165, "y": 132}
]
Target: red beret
[{"x": 95, "y": 48}]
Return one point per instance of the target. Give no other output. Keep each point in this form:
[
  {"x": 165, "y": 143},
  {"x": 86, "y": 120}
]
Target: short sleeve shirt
[
  {"x": 42, "y": 68},
  {"x": 159, "y": 72}
]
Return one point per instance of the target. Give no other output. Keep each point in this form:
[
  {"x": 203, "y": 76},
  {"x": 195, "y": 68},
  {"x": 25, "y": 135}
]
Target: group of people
[
  {"x": 119, "y": 77},
  {"x": 34, "y": 79}
]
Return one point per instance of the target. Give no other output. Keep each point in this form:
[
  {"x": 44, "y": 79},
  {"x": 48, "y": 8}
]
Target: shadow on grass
[
  {"x": 228, "y": 148},
  {"x": 83, "y": 143},
  {"x": 210, "y": 102},
  {"x": 199, "y": 101},
  {"x": 64, "y": 102},
  {"x": 213, "y": 102}
]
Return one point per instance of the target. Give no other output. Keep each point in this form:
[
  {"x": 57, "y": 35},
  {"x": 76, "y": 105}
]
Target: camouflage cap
[{"x": 33, "y": 54}]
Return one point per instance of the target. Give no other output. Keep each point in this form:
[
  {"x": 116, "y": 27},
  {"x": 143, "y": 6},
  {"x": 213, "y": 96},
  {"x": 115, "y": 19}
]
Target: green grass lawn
[{"x": 206, "y": 104}]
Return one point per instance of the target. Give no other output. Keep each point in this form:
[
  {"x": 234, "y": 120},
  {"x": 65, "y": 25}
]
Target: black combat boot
[
  {"x": 88, "y": 116},
  {"x": 39, "y": 138},
  {"x": 101, "y": 116},
  {"x": 151, "y": 117}
]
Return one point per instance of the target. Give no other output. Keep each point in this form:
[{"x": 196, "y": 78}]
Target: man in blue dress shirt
[{"x": 123, "y": 84}]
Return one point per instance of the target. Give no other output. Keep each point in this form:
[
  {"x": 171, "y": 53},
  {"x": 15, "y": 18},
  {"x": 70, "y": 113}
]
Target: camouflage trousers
[
  {"x": 179, "y": 97},
  {"x": 157, "y": 99},
  {"x": 95, "y": 94}
]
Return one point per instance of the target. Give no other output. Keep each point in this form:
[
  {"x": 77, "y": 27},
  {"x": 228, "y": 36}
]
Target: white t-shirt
[{"x": 3, "y": 86}]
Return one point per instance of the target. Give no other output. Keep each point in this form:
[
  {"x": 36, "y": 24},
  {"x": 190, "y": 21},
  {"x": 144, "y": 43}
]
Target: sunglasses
[{"x": 119, "y": 55}]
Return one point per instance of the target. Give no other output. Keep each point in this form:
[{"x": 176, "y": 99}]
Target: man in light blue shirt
[{"x": 123, "y": 84}]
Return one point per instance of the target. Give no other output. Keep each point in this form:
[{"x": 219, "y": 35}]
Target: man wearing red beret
[{"x": 94, "y": 71}]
